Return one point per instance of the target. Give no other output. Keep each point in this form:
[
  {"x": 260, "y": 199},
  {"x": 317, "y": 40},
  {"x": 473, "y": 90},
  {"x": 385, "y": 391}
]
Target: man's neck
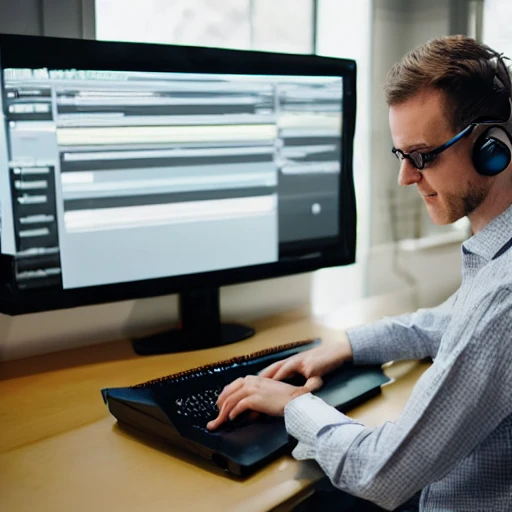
[{"x": 493, "y": 206}]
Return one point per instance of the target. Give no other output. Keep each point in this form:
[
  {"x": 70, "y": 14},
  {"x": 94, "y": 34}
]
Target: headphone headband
[{"x": 498, "y": 61}]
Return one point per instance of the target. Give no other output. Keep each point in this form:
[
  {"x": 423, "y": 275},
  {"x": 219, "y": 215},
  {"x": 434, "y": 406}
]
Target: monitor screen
[{"x": 129, "y": 170}]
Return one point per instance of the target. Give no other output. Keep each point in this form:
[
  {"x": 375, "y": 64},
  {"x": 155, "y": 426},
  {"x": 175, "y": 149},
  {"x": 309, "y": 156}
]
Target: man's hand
[
  {"x": 258, "y": 394},
  {"x": 311, "y": 363}
]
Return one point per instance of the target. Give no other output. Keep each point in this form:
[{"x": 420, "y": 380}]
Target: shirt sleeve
[
  {"x": 410, "y": 336},
  {"x": 457, "y": 403}
]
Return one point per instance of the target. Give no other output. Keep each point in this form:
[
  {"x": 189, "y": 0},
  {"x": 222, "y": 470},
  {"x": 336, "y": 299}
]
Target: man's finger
[
  {"x": 220, "y": 419},
  {"x": 240, "y": 407},
  {"x": 313, "y": 383},
  {"x": 229, "y": 390},
  {"x": 226, "y": 404},
  {"x": 269, "y": 371},
  {"x": 287, "y": 370},
  {"x": 212, "y": 425},
  {"x": 230, "y": 402}
]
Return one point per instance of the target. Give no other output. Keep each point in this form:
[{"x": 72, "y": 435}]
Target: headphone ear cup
[{"x": 492, "y": 152}]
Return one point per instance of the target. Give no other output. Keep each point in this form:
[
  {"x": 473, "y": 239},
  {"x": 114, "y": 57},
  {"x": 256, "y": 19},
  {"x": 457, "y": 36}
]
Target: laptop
[{"x": 176, "y": 408}]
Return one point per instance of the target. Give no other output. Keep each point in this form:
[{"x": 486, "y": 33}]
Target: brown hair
[{"x": 474, "y": 78}]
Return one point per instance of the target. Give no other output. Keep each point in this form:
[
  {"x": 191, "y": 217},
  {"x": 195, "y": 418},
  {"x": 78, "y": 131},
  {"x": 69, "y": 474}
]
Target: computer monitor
[{"x": 130, "y": 170}]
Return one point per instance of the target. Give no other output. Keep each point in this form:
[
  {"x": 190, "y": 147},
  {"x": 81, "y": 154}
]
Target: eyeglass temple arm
[{"x": 455, "y": 139}]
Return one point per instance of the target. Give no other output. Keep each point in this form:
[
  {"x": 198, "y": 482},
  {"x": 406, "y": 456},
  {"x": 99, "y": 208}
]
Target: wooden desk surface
[{"x": 60, "y": 450}]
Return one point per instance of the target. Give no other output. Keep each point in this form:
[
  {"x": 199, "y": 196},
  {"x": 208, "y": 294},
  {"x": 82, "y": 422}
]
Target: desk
[{"x": 60, "y": 450}]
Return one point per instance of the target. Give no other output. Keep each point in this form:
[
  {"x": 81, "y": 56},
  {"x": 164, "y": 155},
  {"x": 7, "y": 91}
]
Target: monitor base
[
  {"x": 179, "y": 340},
  {"x": 201, "y": 326}
]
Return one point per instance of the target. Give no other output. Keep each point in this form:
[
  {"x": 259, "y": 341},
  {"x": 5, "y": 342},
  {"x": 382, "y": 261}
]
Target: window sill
[{"x": 432, "y": 241}]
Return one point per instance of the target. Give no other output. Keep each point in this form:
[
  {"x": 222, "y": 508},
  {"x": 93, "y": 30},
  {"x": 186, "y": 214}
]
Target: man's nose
[{"x": 408, "y": 175}]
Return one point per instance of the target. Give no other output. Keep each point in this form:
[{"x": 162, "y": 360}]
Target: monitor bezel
[{"x": 59, "y": 53}]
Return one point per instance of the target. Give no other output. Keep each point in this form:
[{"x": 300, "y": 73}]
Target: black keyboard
[
  {"x": 177, "y": 408},
  {"x": 198, "y": 408}
]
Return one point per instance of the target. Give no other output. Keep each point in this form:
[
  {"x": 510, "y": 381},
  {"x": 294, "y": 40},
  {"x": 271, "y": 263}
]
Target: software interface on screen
[{"x": 111, "y": 177}]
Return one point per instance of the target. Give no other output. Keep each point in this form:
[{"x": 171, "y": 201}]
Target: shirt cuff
[{"x": 307, "y": 414}]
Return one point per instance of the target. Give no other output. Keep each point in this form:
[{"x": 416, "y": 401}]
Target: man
[{"x": 453, "y": 440}]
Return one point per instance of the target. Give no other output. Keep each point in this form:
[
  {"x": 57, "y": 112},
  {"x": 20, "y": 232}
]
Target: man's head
[{"x": 435, "y": 92}]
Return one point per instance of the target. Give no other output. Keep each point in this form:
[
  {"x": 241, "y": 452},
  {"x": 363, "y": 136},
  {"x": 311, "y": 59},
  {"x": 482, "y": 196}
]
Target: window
[
  {"x": 242, "y": 24},
  {"x": 497, "y": 26},
  {"x": 343, "y": 30}
]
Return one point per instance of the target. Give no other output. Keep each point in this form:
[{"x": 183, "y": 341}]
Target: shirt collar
[{"x": 489, "y": 240}]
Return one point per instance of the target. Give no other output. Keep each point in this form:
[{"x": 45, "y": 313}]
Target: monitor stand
[{"x": 199, "y": 312}]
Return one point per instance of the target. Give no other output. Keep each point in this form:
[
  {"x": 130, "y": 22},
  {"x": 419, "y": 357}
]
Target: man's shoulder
[{"x": 492, "y": 284}]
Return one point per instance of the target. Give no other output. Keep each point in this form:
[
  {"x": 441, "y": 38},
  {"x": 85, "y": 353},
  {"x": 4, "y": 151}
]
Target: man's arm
[
  {"x": 456, "y": 404},
  {"x": 409, "y": 336}
]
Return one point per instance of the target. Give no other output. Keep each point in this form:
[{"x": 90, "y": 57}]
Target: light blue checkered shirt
[{"x": 454, "y": 436}]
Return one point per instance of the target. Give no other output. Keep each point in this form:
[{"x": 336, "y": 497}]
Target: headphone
[{"x": 492, "y": 150}]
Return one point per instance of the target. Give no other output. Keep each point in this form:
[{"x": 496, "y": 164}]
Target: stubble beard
[{"x": 459, "y": 207}]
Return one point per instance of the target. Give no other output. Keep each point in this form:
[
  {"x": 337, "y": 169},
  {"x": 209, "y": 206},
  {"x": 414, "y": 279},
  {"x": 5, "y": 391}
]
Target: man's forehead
[{"x": 420, "y": 121}]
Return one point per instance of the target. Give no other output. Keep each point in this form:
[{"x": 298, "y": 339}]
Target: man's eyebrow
[{"x": 416, "y": 147}]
